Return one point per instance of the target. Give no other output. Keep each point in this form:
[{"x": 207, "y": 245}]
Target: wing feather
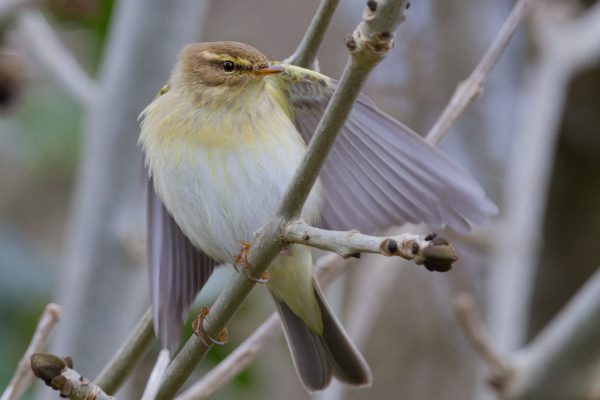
[
  {"x": 379, "y": 172},
  {"x": 177, "y": 271}
]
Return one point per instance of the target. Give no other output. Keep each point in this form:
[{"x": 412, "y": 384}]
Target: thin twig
[
  {"x": 475, "y": 331},
  {"x": 121, "y": 365},
  {"x": 306, "y": 53},
  {"x": 234, "y": 363},
  {"x": 432, "y": 250},
  {"x": 162, "y": 361},
  {"x": 372, "y": 40},
  {"x": 468, "y": 90},
  {"x": 52, "y": 55},
  {"x": 57, "y": 373},
  {"x": 328, "y": 267},
  {"x": 23, "y": 375}
]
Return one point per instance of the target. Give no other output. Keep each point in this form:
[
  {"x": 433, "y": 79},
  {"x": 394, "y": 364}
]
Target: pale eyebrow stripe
[{"x": 210, "y": 56}]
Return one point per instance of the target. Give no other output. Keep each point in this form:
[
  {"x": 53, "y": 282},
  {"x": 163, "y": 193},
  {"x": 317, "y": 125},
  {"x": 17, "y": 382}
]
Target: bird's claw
[
  {"x": 198, "y": 328},
  {"x": 242, "y": 260}
]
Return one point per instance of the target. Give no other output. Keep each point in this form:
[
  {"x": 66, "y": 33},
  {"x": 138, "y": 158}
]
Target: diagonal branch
[
  {"x": 162, "y": 361},
  {"x": 234, "y": 363},
  {"x": 370, "y": 43},
  {"x": 468, "y": 90}
]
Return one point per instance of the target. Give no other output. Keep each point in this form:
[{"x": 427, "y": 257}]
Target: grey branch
[
  {"x": 114, "y": 374},
  {"x": 563, "y": 49},
  {"x": 468, "y": 90},
  {"x": 52, "y": 55},
  {"x": 433, "y": 251},
  {"x": 306, "y": 53},
  {"x": 57, "y": 373},
  {"x": 373, "y": 38},
  {"x": 23, "y": 375},
  {"x": 106, "y": 202}
]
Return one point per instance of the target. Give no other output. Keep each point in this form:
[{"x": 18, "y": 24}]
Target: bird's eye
[{"x": 228, "y": 66}]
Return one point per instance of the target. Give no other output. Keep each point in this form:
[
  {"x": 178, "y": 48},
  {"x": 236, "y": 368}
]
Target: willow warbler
[{"x": 221, "y": 143}]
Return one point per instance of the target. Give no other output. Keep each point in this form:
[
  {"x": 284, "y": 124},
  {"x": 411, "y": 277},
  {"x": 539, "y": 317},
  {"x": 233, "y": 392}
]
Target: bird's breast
[{"x": 221, "y": 191}]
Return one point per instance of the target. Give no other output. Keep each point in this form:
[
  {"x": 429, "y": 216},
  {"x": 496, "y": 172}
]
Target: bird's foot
[
  {"x": 242, "y": 261},
  {"x": 198, "y": 328},
  {"x": 242, "y": 258}
]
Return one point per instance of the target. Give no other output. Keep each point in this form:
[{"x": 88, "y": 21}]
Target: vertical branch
[
  {"x": 563, "y": 48},
  {"x": 99, "y": 278}
]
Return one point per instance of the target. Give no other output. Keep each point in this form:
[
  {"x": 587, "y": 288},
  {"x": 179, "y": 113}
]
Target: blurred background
[{"x": 75, "y": 74}]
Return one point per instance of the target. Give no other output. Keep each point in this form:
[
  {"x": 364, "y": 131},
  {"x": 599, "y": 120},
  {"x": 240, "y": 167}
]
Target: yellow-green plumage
[
  {"x": 222, "y": 142},
  {"x": 221, "y": 150}
]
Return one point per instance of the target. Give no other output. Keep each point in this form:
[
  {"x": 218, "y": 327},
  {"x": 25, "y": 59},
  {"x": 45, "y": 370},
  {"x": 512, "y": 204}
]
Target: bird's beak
[{"x": 267, "y": 69}]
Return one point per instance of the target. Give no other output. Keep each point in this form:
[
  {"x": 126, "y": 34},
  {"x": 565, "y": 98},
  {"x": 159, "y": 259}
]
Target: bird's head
[{"x": 223, "y": 65}]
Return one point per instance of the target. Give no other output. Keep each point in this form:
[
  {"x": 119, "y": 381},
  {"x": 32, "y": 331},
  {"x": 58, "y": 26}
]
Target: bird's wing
[
  {"x": 177, "y": 271},
  {"x": 379, "y": 172}
]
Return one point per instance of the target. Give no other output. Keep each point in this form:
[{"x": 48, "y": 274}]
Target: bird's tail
[{"x": 319, "y": 356}]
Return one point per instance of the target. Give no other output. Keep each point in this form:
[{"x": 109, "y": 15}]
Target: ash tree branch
[
  {"x": 248, "y": 350},
  {"x": 57, "y": 373},
  {"x": 371, "y": 41},
  {"x": 23, "y": 375},
  {"x": 468, "y": 90},
  {"x": 564, "y": 48},
  {"x": 53, "y": 56},
  {"x": 435, "y": 252}
]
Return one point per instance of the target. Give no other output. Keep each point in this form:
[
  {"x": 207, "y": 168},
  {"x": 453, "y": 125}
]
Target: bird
[{"x": 221, "y": 142}]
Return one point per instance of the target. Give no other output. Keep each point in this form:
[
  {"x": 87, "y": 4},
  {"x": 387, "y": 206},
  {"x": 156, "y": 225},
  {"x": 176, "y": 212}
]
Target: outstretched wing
[
  {"x": 379, "y": 172},
  {"x": 177, "y": 271}
]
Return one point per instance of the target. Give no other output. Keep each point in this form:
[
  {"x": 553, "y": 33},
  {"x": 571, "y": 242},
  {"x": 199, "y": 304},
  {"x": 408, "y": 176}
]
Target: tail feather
[
  {"x": 318, "y": 357},
  {"x": 347, "y": 362},
  {"x": 308, "y": 350}
]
